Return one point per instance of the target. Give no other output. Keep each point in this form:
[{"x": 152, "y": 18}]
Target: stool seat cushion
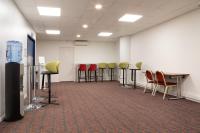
[
  {"x": 53, "y": 66},
  {"x": 82, "y": 67},
  {"x": 124, "y": 65},
  {"x": 93, "y": 67},
  {"x": 138, "y": 65},
  {"x": 112, "y": 65},
  {"x": 48, "y": 72},
  {"x": 102, "y": 65}
]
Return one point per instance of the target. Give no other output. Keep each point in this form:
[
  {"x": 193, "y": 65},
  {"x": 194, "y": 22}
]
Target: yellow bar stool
[
  {"x": 102, "y": 67},
  {"x": 123, "y": 66},
  {"x": 111, "y": 67},
  {"x": 52, "y": 68}
]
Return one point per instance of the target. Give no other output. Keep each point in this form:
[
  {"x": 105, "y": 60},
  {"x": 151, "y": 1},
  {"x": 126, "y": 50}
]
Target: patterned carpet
[{"x": 108, "y": 108}]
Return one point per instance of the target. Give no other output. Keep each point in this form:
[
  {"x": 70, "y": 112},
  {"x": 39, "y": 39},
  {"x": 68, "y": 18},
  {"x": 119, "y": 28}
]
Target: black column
[
  {"x": 123, "y": 77},
  {"x": 49, "y": 85},
  {"x": 111, "y": 74},
  {"x": 43, "y": 81},
  {"x": 134, "y": 78},
  {"x": 85, "y": 76},
  {"x": 12, "y": 91}
]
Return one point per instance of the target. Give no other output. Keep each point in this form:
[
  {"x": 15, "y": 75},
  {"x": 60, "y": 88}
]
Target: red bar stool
[
  {"x": 92, "y": 68},
  {"x": 82, "y": 68}
]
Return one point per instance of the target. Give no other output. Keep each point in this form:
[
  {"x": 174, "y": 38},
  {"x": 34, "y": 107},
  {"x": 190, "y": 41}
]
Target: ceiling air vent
[{"x": 81, "y": 43}]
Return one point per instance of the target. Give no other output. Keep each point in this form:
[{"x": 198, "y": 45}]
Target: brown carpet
[{"x": 108, "y": 108}]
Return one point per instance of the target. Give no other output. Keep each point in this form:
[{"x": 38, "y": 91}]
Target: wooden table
[{"x": 134, "y": 71}]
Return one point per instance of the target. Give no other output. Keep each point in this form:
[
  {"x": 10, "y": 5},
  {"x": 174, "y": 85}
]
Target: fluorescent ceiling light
[
  {"x": 130, "y": 18},
  {"x": 98, "y": 6},
  {"x": 78, "y": 36},
  {"x": 105, "y": 34},
  {"x": 49, "y": 11},
  {"x": 53, "y": 32},
  {"x": 85, "y": 26}
]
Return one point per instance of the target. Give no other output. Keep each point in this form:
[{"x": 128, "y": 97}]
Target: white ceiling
[{"x": 74, "y": 13}]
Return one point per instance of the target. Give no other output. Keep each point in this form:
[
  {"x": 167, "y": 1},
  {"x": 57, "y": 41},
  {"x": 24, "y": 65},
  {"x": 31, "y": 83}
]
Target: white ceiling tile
[{"x": 74, "y": 13}]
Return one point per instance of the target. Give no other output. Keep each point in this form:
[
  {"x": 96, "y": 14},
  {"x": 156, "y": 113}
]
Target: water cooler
[{"x": 14, "y": 71}]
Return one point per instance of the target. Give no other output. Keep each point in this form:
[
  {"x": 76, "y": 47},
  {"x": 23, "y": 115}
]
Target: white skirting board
[
  {"x": 188, "y": 98},
  {"x": 193, "y": 99}
]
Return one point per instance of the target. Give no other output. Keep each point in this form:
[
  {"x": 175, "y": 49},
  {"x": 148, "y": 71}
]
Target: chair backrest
[
  {"x": 102, "y": 65},
  {"x": 160, "y": 78},
  {"x": 93, "y": 67},
  {"x": 124, "y": 65},
  {"x": 53, "y": 66},
  {"x": 149, "y": 75},
  {"x": 138, "y": 65},
  {"x": 112, "y": 65},
  {"x": 82, "y": 67}
]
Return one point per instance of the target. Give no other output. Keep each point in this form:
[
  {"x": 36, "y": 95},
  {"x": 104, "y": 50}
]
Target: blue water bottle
[{"x": 14, "y": 51}]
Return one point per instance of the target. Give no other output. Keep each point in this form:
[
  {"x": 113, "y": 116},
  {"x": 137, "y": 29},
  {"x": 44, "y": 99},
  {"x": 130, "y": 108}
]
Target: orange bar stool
[
  {"x": 82, "y": 68},
  {"x": 92, "y": 68}
]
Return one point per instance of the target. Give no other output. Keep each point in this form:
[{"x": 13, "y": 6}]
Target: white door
[{"x": 67, "y": 67}]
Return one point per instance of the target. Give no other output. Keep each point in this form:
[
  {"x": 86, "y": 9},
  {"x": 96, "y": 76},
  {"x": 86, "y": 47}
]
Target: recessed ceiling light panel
[
  {"x": 53, "y": 32},
  {"x": 49, "y": 11},
  {"x": 98, "y": 6},
  {"x": 78, "y": 36},
  {"x": 131, "y": 18},
  {"x": 85, "y": 26},
  {"x": 105, "y": 34}
]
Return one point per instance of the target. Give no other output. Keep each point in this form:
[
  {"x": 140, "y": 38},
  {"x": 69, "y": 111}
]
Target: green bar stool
[
  {"x": 123, "y": 66},
  {"x": 102, "y": 66},
  {"x": 52, "y": 68},
  {"x": 111, "y": 67},
  {"x": 139, "y": 65}
]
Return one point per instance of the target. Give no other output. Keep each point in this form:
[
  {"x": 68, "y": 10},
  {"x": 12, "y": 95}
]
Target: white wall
[
  {"x": 95, "y": 52},
  {"x": 173, "y": 46},
  {"x": 13, "y": 27},
  {"x": 124, "y": 47}
]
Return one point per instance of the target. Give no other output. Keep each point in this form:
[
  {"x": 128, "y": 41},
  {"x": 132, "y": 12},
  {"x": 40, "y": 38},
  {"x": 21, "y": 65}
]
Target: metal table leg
[{"x": 178, "y": 81}]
